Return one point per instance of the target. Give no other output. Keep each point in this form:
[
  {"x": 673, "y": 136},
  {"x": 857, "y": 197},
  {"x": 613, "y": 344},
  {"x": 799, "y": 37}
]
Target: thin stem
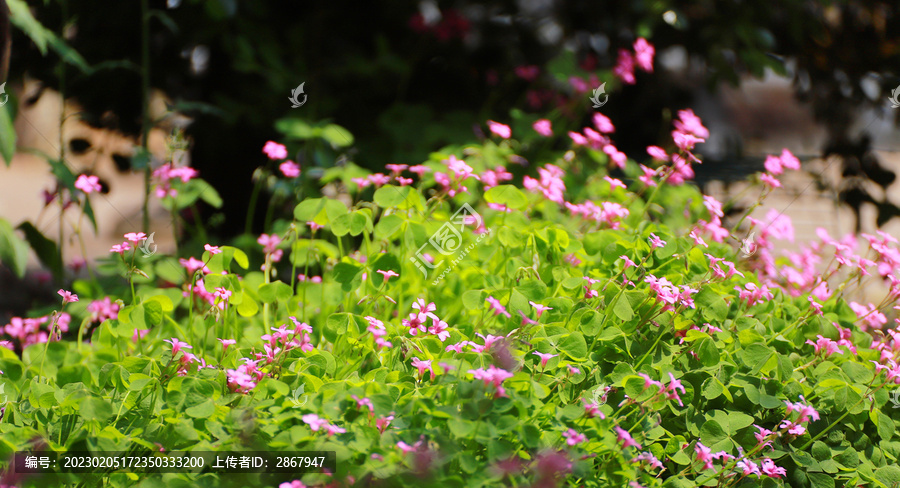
[
  {"x": 145, "y": 112},
  {"x": 251, "y": 210}
]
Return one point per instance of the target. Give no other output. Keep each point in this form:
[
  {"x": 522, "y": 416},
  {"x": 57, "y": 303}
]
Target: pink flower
[
  {"x": 498, "y": 307},
  {"x": 697, "y": 239},
  {"x": 752, "y": 293},
  {"x": 788, "y": 160},
  {"x": 493, "y": 376},
  {"x": 656, "y": 242},
  {"x": 88, "y": 184},
  {"x": 615, "y": 182},
  {"x": 226, "y": 343},
  {"x": 748, "y": 467},
  {"x": 649, "y": 382},
  {"x": 67, "y": 296},
  {"x": 792, "y": 428},
  {"x": 292, "y": 484},
  {"x": 290, "y": 169},
  {"x": 193, "y": 264},
  {"x": 617, "y": 157},
  {"x": 713, "y": 206},
  {"x": 602, "y": 123},
  {"x": 458, "y": 347},
  {"x": 573, "y": 437},
  {"x": 625, "y": 438},
  {"x": 769, "y": 180},
  {"x": 651, "y": 460},
  {"x": 672, "y": 389},
  {"x": 135, "y": 237},
  {"x": 718, "y": 272},
  {"x": 222, "y": 292},
  {"x": 806, "y": 411},
  {"x": 244, "y": 378},
  {"x": 543, "y": 127},
  {"x": 120, "y": 248},
  {"x": 540, "y": 308},
  {"x": 761, "y": 436},
  {"x": 103, "y": 309},
  {"x": 681, "y": 171},
  {"x": 314, "y": 422},
  {"x": 624, "y": 68},
  {"x": 396, "y": 169},
  {"x": 704, "y": 455},
  {"x": 416, "y": 322},
  {"x": 770, "y": 469},
  {"x": 334, "y": 429},
  {"x": 577, "y": 139},
  {"x": 423, "y": 308},
  {"x": 387, "y": 274},
  {"x": 773, "y": 165},
  {"x": 550, "y": 183},
  {"x": 178, "y": 345},
  {"x": 690, "y": 124},
  {"x": 870, "y": 316},
  {"x": 592, "y": 410},
  {"x": 422, "y": 366},
  {"x": 269, "y": 243},
  {"x": 544, "y": 357},
  {"x": 213, "y": 250},
  {"x": 382, "y": 423},
  {"x": 658, "y": 153},
  {"x": 439, "y": 328},
  {"x": 274, "y": 150},
  {"x": 823, "y": 343},
  {"x": 647, "y": 177},
  {"x": 643, "y": 54},
  {"x": 379, "y": 179},
  {"x": 419, "y": 169},
  {"x": 406, "y": 448},
  {"x": 500, "y": 129},
  {"x": 685, "y": 141},
  {"x": 493, "y": 177},
  {"x": 488, "y": 342},
  {"x": 363, "y": 402}
]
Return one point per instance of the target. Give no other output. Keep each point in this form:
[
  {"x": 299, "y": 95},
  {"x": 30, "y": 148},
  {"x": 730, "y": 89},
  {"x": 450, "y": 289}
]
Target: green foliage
[{"x": 616, "y": 357}]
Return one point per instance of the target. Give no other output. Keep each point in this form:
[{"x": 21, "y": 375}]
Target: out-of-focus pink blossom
[
  {"x": 499, "y": 129},
  {"x": 274, "y": 150},
  {"x": 643, "y": 54}
]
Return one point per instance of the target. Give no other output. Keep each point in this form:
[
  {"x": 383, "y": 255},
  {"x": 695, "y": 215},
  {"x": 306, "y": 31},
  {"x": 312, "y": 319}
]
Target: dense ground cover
[{"x": 479, "y": 320}]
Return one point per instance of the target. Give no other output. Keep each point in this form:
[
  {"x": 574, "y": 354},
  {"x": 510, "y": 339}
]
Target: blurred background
[{"x": 111, "y": 88}]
